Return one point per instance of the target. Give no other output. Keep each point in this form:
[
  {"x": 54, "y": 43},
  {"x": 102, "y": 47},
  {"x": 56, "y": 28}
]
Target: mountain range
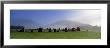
[{"x": 59, "y": 24}]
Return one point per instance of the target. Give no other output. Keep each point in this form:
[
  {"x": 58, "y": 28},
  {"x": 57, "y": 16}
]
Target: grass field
[{"x": 55, "y": 35}]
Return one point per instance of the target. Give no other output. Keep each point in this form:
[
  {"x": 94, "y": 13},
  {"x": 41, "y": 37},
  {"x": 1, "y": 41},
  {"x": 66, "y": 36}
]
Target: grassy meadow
[{"x": 55, "y": 35}]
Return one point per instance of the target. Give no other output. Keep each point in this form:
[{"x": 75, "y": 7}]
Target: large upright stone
[
  {"x": 49, "y": 29},
  {"x": 73, "y": 29},
  {"x": 54, "y": 30},
  {"x": 66, "y": 30},
  {"x": 31, "y": 30},
  {"x": 78, "y": 29},
  {"x": 40, "y": 30}
]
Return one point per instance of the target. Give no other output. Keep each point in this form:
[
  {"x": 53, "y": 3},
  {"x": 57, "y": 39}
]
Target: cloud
[{"x": 91, "y": 17}]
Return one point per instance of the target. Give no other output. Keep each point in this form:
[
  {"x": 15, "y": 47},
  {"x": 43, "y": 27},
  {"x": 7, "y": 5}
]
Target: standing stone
[
  {"x": 54, "y": 30},
  {"x": 73, "y": 29},
  {"x": 78, "y": 29},
  {"x": 57, "y": 30},
  {"x": 40, "y": 30},
  {"x": 22, "y": 30},
  {"x": 65, "y": 29},
  {"x": 49, "y": 29},
  {"x": 31, "y": 30}
]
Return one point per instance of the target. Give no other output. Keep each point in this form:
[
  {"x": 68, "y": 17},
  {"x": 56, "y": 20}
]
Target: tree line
[{"x": 40, "y": 29}]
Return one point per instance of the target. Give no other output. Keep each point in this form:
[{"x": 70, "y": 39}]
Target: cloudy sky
[{"x": 91, "y": 17}]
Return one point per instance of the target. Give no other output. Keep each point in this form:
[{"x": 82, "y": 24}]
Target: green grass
[{"x": 55, "y": 35}]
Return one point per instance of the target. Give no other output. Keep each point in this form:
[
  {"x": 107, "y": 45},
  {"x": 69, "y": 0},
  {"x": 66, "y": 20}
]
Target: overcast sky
[{"x": 91, "y": 17}]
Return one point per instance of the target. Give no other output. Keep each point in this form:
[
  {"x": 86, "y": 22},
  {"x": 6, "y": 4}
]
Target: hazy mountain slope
[
  {"x": 60, "y": 24},
  {"x": 67, "y": 23},
  {"x": 71, "y": 24}
]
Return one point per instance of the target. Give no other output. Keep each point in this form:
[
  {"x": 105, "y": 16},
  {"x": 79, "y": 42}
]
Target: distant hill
[
  {"x": 71, "y": 24},
  {"x": 68, "y": 24},
  {"x": 62, "y": 24},
  {"x": 91, "y": 28}
]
